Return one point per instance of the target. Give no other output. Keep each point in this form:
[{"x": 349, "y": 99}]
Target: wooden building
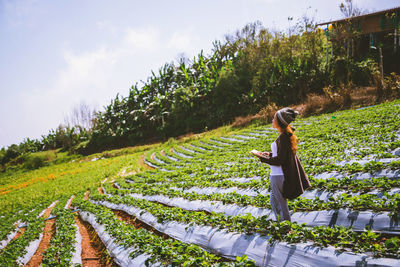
[{"x": 366, "y": 36}]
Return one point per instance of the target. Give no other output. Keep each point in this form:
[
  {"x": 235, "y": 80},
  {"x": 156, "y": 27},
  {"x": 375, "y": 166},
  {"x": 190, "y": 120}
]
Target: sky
[{"x": 57, "y": 54}]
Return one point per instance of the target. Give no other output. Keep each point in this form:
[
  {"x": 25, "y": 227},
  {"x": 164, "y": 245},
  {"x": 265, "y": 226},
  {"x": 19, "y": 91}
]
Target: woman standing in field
[{"x": 287, "y": 177}]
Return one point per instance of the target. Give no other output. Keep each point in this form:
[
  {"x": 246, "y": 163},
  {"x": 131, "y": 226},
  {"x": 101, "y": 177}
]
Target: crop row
[
  {"x": 373, "y": 202},
  {"x": 21, "y": 249},
  {"x": 64, "y": 249},
  {"x": 340, "y": 237},
  {"x": 165, "y": 251}
]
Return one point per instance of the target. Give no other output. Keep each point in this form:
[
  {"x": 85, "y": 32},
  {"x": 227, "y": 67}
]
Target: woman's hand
[{"x": 266, "y": 154}]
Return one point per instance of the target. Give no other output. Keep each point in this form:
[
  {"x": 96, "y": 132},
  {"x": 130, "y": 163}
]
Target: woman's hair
[
  {"x": 293, "y": 138},
  {"x": 290, "y": 132}
]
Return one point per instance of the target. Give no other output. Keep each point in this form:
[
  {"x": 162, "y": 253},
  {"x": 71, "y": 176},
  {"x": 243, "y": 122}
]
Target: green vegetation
[
  {"x": 245, "y": 73},
  {"x": 337, "y": 236},
  {"x": 59, "y": 253},
  {"x": 347, "y": 142},
  {"x": 161, "y": 250}
]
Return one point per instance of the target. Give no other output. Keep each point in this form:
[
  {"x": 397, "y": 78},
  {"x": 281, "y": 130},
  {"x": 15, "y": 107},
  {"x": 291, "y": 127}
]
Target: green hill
[{"x": 352, "y": 158}]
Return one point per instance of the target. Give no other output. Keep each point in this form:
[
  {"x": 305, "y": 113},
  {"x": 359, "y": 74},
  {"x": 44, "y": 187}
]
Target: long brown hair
[
  {"x": 290, "y": 132},
  {"x": 293, "y": 138}
]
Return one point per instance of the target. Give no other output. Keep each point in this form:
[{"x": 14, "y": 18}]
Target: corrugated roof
[{"x": 360, "y": 16}]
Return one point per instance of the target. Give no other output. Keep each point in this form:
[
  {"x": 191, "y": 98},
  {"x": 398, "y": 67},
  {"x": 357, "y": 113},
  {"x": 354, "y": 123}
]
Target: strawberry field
[{"x": 206, "y": 202}]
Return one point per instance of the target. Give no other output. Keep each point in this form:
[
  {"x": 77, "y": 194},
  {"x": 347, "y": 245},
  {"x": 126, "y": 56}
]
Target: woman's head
[
  {"x": 284, "y": 117},
  {"x": 281, "y": 122}
]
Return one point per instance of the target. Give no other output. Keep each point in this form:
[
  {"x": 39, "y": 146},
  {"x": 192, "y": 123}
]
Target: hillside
[
  {"x": 204, "y": 200},
  {"x": 245, "y": 72}
]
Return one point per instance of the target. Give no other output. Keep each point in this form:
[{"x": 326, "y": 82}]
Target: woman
[{"x": 288, "y": 179}]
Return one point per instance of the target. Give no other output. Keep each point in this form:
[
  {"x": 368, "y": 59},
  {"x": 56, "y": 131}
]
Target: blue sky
[{"x": 57, "y": 53}]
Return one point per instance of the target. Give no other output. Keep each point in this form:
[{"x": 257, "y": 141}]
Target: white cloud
[
  {"x": 92, "y": 76},
  {"x": 96, "y": 76},
  {"x": 106, "y": 25},
  {"x": 90, "y": 73},
  {"x": 180, "y": 41},
  {"x": 86, "y": 77},
  {"x": 90, "y": 69},
  {"x": 147, "y": 39}
]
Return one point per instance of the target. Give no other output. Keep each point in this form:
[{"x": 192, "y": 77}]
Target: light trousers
[{"x": 278, "y": 202}]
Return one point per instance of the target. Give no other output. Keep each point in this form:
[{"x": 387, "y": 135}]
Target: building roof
[{"x": 361, "y": 16}]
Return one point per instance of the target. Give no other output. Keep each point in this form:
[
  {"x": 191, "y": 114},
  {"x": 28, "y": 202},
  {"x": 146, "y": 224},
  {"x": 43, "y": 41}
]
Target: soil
[
  {"x": 141, "y": 163},
  {"x": 19, "y": 233},
  {"x": 48, "y": 232},
  {"x": 69, "y": 204},
  {"x": 100, "y": 190},
  {"x": 364, "y": 96},
  {"x": 93, "y": 250}
]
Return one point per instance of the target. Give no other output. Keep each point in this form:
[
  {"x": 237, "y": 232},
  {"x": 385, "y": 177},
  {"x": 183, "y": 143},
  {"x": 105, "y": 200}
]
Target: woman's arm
[{"x": 283, "y": 150}]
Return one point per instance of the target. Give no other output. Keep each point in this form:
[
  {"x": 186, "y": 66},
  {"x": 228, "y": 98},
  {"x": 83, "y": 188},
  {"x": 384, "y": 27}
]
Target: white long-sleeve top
[{"x": 275, "y": 170}]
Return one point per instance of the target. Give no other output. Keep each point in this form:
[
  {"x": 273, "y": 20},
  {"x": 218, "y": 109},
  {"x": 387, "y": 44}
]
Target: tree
[
  {"x": 82, "y": 116},
  {"x": 348, "y": 9}
]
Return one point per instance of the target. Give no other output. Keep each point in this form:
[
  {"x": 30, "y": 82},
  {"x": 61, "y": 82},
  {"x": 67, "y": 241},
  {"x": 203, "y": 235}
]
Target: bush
[
  {"x": 362, "y": 73},
  {"x": 80, "y": 148},
  {"x": 2, "y": 155},
  {"x": 340, "y": 72},
  {"x": 328, "y": 102},
  {"x": 12, "y": 152},
  {"x": 34, "y": 162},
  {"x": 359, "y": 73},
  {"x": 392, "y": 85}
]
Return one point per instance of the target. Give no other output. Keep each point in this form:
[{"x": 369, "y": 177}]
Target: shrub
[
  {"x": 392, "y": 85},
  {"x": 340, "y": 72},
  {"x": 34, "y": 162},
  {"x": 80, "y": 148},
  {"x": 268, "y": 112},
  {"x": 328, "y": 102},
  {"x": 362, "y": 73},
  {"x": 243, "y": 121},
  {"x": 12, "y": 152},
  {"x": 265, "y": 115}
]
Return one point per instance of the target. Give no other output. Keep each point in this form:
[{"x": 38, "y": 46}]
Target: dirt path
[
  {"x": 48, "y": 232},
  {"x": 141, "y": 162},
  {"x": 19, "y": 233},
  {"x": 90, "y": 251},
  {"x": 91, "y": 245},
  {"x": 68, "y": 205},
  {"x": 100, "y": 190},
  {"x": 93, "y": 249}
]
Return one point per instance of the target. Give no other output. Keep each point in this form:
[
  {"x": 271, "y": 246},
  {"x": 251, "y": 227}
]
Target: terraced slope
[{"x": 206, "y": 202}]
